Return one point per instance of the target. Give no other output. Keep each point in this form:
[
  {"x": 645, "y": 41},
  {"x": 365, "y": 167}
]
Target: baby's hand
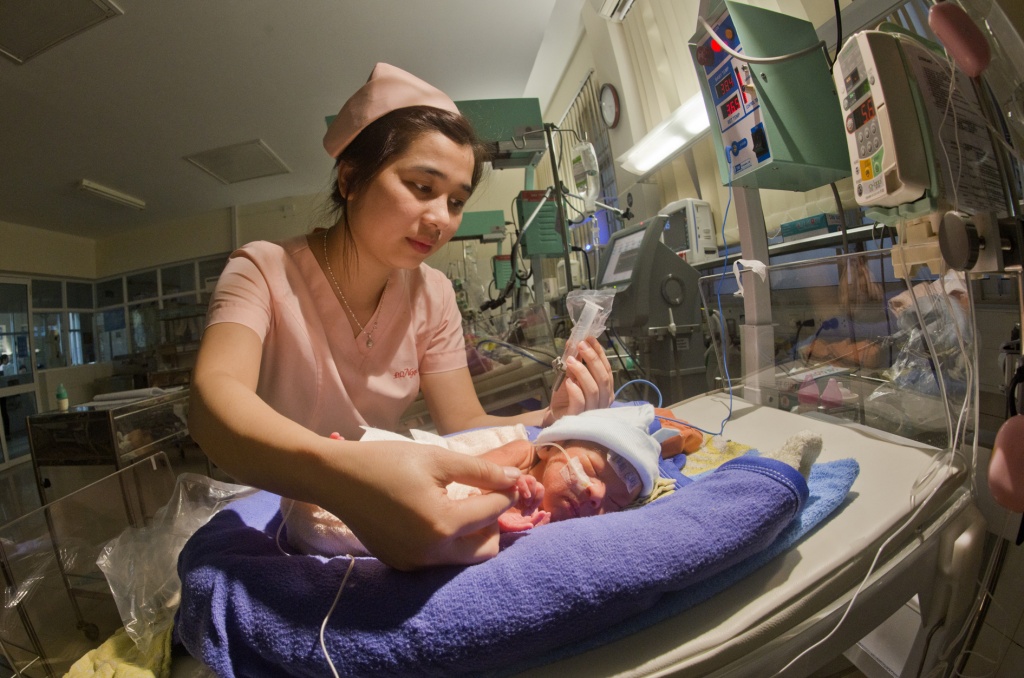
[{"x": 526, "y": 513}]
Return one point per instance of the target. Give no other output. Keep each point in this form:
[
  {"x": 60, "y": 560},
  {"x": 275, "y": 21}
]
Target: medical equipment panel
[
  {"x": 542, "y": 237},
  {"x": 775, "y": 125},
  {"x": 690, "y": 230},
  {"x": 657, "y": 305}
]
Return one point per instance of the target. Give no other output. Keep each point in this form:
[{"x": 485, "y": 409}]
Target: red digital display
[
  {"x": 725, "y": 85},
  {"x": 730, "y": 106},
  {"x": 863, "y": 113}
]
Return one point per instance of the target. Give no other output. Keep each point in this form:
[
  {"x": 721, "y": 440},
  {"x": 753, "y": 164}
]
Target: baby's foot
[{"x": 800, "y": 451}]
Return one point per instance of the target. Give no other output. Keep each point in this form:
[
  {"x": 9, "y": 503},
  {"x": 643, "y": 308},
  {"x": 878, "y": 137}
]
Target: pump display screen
[
  {"x": 730, "y": 106},
  {"x": 621, "y": 257},
  {"x": 724, "y": 86},
  {"x": 863, "y": 113}
]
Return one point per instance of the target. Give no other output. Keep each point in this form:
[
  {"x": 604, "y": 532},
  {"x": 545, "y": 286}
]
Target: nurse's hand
[
  {"x": 396, "y": 504},
  {"x": 588, "y": 383}
]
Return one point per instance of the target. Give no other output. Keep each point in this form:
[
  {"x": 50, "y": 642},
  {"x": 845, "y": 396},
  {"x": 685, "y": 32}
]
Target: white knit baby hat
[{"x": 622, "y": 430}]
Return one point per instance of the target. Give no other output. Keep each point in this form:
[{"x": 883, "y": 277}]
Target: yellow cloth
[
  {"x": 119, "y": 657},
  {"x": 713, "y": 453}
]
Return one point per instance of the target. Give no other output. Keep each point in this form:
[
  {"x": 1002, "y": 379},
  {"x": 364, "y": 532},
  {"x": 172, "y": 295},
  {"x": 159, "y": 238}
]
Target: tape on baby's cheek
[{"x": 625, "y": 471}]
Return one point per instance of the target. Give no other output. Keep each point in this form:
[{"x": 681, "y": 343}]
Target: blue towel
[{"x": 246, "y": 610}]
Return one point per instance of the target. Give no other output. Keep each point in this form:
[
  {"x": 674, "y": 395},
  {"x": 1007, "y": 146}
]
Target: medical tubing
[
  {"x": 640, "y": 381},
  {"x": 928, "y": 474},
  {"x": 323, "y": 625},
  {"x": 721, "y": 313},
  {"x": 514, "y": 349}
]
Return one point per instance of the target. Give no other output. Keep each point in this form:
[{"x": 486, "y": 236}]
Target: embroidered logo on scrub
[{"x": 407, "y": 373}]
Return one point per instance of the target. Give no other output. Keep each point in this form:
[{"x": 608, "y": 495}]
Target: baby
[
  {"x": 588, "y": 464},
  {"x": 583, "y": 465}
]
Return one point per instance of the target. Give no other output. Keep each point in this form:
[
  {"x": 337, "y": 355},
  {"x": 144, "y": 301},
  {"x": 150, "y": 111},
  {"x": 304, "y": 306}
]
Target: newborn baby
[
  {"x": 588, "y": 464},
  {"x": 582, "y": 465}
]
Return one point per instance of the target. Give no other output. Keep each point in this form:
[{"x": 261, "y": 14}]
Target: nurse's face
[
  {"x": 414, "y": 204},
  {"x": 602, "y": 491}
]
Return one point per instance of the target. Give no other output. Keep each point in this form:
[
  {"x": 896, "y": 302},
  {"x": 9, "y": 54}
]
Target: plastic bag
[
  {"x": 935, "y": 337},
  {"x": 141, "y": 564}
]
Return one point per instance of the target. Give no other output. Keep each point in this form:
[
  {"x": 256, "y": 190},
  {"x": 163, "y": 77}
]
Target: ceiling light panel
[
  {"x": 239, "y": 162},
  {"x": 30, "y": 28}
]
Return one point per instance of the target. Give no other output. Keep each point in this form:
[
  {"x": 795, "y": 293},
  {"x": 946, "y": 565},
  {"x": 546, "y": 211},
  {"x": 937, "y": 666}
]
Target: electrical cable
[
  {"x": 839, "y": 32},
  {"x": 640, "y": 381},
  {"x": 923, "y": 478},
  {"x": 820, "y": 45},
  {"x": 337, "y": 597},
  {"x": 500, "y": 301}
]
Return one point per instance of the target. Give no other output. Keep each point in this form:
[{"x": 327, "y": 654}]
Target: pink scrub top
[{"x": 313, "y": 370}]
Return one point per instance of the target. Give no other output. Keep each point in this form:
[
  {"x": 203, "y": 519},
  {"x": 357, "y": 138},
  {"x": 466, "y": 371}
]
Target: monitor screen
[
  {"x": 676, "y": 235},
  {"x": 621, "y": 256}
]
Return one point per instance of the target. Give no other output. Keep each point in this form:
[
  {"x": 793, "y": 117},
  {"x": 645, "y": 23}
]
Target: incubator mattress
[
  {"x": 729, "y": 635},
  {"x": 552, "y": 592}
]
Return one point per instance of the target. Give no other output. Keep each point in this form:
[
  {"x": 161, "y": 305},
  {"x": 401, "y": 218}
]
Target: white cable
[
  {"x": 763, "y": 60},
  {"x": 954, "y": 437},
  {"x": 337, "y": 597}
]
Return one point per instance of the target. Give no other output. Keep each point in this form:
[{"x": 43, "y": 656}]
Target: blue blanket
[{"x": 553, "y": 591}]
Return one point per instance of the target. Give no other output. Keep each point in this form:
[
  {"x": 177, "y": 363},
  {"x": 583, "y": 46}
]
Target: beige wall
[{"x": 36, "y": 251}]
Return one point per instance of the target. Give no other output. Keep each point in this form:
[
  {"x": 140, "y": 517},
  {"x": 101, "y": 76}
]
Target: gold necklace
[{"x": 369, "y": 334}]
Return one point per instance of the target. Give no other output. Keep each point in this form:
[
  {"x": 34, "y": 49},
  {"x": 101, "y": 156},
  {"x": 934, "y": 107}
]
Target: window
[
  {"x": 177, "y": 279},
  {"x": 142, "y": 286},
  {"x": 47, "y": 294},
  {"x": 48, "y": 339},
  {"x": 81, "y": 338},
  {"x": 110, "y": 292},
  {"x": 80, "y": 295}
]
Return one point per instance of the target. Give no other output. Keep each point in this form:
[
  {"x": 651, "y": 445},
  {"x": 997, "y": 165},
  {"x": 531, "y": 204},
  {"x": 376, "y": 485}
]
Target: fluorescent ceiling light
[
  {"x": 112, "y": 195},
  {"x": 686, "y": 124}
]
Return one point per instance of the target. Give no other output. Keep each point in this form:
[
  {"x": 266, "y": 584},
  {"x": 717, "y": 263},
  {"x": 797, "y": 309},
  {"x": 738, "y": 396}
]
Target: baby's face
[{"x": 567, "y": 495}]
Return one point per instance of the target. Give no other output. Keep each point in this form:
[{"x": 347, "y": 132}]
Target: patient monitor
[{"x": 657, "y": 304}]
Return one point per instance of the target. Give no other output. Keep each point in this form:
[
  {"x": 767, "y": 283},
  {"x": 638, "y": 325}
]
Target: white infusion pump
[
  {"x": 690, "y": 230},
  {"x": 883, "y": 132}
]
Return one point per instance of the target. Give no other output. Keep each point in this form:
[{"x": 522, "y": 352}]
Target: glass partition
[{"x": 851, "y": 340}]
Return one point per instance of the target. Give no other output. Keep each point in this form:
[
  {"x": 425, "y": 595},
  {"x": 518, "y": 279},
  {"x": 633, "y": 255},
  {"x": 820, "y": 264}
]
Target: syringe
[{"x": 581, "y": 330}]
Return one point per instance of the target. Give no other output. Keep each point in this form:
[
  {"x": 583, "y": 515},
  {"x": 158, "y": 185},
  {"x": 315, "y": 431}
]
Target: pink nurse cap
[{"x": 388, "y": 89}]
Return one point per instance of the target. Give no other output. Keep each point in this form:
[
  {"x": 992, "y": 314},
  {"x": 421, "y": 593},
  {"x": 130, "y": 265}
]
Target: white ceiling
[{"x": 122, "y": 103}]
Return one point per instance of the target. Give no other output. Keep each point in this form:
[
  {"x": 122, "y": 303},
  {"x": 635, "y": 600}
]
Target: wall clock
[{"x": 609, "y": 99}]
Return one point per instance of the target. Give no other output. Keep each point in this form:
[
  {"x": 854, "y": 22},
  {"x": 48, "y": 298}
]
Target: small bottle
[{"x": 62, "y": 399}]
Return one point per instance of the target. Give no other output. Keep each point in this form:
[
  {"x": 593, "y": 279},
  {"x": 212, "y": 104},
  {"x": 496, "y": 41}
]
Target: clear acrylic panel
[
  {"x": 852, "y": 340},
  {"x": 57, "y": 605}
]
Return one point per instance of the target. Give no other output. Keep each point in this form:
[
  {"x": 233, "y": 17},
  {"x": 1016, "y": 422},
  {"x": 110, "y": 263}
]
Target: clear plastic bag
[{"x": 141, "y": 563}]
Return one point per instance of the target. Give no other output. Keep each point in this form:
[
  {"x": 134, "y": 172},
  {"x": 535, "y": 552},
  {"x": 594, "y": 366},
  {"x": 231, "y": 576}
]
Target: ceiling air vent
[
  {"x": 239, "y": 162},
  {"x": 28, "y": 28}
]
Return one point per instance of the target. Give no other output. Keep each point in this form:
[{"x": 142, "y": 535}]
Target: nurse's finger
[
  {"x": 600, "y": 369},
  {"x": 478, "y": 472},
  {"x": 477, "y": 512},
  {"x": 585, "y": 382}
]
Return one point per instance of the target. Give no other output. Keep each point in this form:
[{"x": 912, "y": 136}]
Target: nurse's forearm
[{"x": 251, "y": 442}]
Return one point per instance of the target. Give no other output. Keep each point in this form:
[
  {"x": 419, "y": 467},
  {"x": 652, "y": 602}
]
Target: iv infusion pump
[{"x": 883, "y": 134}]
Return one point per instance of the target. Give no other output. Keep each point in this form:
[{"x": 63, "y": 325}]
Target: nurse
[{"x": 344, "y": 326}]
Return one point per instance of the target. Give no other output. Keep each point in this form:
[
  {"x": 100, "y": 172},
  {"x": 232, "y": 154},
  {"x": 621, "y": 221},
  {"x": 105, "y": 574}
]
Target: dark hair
[{"x": 388, "y": 137}]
